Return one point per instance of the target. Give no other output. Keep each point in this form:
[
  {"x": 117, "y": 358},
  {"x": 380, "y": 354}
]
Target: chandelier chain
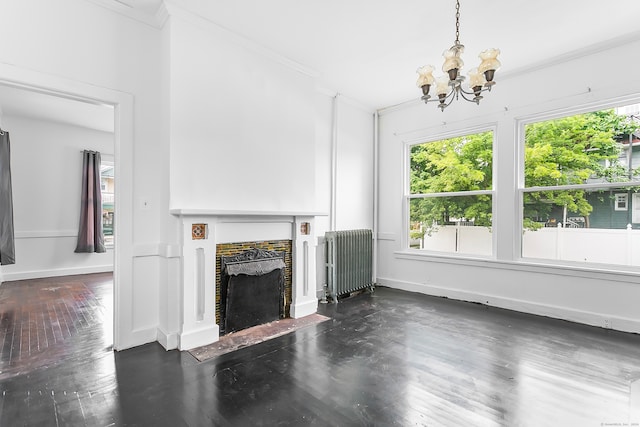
[{"x": 457, "y": 21}]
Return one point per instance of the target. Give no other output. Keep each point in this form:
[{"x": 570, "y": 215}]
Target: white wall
[
  {"x": 46, "y": 172},
  {"x": 80, "y": 48},
  {"x": 349, "y": 131},
  {"x": 242, "y": 124},
  {"x": 571, "y": 292},
  {"x": 346, "y": 127},
  {"x": 354, "y": 168},
  {"x": 193, "y": 102}
]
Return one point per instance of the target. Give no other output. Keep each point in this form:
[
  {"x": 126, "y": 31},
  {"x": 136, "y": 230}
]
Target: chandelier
[{"x": 449, "y": 86}]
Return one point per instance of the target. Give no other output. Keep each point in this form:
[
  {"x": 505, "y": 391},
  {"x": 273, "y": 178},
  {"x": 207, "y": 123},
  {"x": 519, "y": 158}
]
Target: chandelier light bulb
[
  {"x": 425, "y": 75},
  {"x": 442, "y": 86},
  {"x": 489, "y": 63},
  {"x": 476, "y": 78},
  {"x": 452, "y": 61}
]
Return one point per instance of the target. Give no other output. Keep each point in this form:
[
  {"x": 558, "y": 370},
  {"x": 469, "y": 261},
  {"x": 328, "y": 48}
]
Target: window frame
[
  {"x": 619, "y": 199},
  {"x": 521, "y": 189},
  {"x": 407, "y": 196}
]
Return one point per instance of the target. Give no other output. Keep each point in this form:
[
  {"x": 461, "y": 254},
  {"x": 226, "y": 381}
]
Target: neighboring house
[{"x": 611, "y": 209}]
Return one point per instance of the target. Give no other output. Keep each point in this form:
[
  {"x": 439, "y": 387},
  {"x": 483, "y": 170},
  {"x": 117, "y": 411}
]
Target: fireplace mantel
[
  {"x": 249, "y": 213},
  {"x": 198, "y": 260}
]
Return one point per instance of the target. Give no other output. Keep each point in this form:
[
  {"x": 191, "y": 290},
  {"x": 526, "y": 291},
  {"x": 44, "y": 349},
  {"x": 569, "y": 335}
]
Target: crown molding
[
  {"x": 213, "y": 28},
  {"x": 573, "y": 55},
  {"x": 332, "y": 93},
  {"x": 156, "y": 20}
]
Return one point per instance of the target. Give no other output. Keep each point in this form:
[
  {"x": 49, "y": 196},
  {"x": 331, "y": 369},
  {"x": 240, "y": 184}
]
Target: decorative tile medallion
[
  {"x": 305, "y": 228},
  {"x": 198, "y": 231}
]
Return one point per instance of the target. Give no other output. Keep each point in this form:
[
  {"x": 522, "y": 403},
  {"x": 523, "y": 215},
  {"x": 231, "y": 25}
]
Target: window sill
[{"x": 599, "y": 271}]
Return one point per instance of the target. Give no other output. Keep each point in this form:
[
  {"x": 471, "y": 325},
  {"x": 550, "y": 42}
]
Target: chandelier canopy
[{"x": 449, "y": 86}]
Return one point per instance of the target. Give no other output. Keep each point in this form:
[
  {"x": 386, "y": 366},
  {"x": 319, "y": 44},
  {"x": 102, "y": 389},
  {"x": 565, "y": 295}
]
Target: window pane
[
  {"x": 449, "y": 165},
  {"x": 107, "y": 187},
  {"x": 458, "y": 224},
  {"x": 601, "y": 146},
  {"x": 583, "y": 225}
]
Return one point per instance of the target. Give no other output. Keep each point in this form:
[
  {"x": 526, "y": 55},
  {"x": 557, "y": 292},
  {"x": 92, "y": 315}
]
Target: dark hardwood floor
[
  {"x": 43, "y": 321},
  {"x": 384, "y": 359}
]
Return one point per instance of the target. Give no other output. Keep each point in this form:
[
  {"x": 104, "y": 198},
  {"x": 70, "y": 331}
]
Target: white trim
[
  {"x": 392, "y": 237},
  {"x": 138, "y": 337},
  {"x": 304, "y": 308},
  {"x": 56, "y": 272},
  {"x": 193, "y": 338},
  {"x": 454, "y": 133},
  {"x": 450, "y": 194},
  {"x": 155, "y": 20},
  {"x": 217, "y": 212},
  {"x": 520, "y": 123},
  {"x": 610, "y": 272},
  {"x": 557, "y": 312},
  {"x": 168, "y": 340},
  {"x": 122, "y": 102},
  {"x": 157, "y": 250},
  {"x": 45, "y": 234},
  {"x": 549, "y": 62},
  {"x": 621, "y": 198}
]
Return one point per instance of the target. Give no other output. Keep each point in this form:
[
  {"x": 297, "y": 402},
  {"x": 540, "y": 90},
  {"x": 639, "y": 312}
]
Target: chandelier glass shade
[{"x": 450, "y": 86}]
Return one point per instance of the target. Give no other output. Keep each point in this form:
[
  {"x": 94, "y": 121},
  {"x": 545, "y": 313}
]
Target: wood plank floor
[
  {"x": 43, "y": 321},
  {"x": 391, "y": 358}
]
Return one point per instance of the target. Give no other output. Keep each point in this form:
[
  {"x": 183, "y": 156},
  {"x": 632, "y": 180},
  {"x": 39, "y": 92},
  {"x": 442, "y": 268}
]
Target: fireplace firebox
[{"x": 251, "y": 289}]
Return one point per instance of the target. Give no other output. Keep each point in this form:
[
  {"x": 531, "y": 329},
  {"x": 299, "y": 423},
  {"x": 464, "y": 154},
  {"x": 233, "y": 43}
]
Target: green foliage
[
  {"x": 456, "y": 164},
  {"x": 452, "y": 165},
  {"x": 571, "y": 150},
  {"x": 565, "y": 151}
]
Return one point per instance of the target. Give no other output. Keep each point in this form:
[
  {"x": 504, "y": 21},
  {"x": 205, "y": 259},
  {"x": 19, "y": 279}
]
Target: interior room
[{"x": 489, "y": 194}]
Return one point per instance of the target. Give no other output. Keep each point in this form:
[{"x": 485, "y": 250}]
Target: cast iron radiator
[{"x": 349, "y": 261}]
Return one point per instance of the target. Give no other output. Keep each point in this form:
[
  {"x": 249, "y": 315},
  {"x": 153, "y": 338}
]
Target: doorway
[{"x": 80, "y": 95}]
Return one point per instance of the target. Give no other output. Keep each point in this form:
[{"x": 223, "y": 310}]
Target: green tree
[
  {"x": 451, "y": 165},
  {"x": 568, "y": 151},
  {"x": 565, "y": 151}
]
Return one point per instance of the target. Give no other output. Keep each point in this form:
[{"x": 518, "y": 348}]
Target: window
[
  {"x": 107, "y": 185},
  {"x": 579, "y": 174},
  {"x": 621, "y": 202},
  {"x": 450, "y": 194}
]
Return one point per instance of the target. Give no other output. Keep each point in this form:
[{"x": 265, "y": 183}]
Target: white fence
[
  {"x": 592, "y": 245},
  {"x": 453, "y": 238},
  {"x": 583, "y": 245}
]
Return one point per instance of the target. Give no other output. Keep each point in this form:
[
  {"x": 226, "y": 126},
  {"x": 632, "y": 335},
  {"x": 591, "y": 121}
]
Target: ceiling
[
  {"x": 20, "y": 102},
  {"x": 369, "y": 50}
]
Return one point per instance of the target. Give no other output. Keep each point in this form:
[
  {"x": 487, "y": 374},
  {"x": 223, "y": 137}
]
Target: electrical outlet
[{"x": 606, "y": 324}]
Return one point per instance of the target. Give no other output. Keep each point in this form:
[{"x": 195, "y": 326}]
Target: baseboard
[
  {"x": 198, "y": 338},
  {"x": 304, "y": 309},
  {"x": 557, "y": 312},
  {"x": 56, "y": 272},
  {"x": 136, "y": 338},
  {"x": 168, "y": 340}
]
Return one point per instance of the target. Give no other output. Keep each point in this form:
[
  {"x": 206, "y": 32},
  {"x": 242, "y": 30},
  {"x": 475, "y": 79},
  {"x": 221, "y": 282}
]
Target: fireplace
[
  {"x": 204, "y": 236},
  {"x": 251, "y": 289}
]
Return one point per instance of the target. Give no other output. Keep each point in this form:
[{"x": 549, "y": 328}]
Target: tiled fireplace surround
[{"x": 198, "y": 258}]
